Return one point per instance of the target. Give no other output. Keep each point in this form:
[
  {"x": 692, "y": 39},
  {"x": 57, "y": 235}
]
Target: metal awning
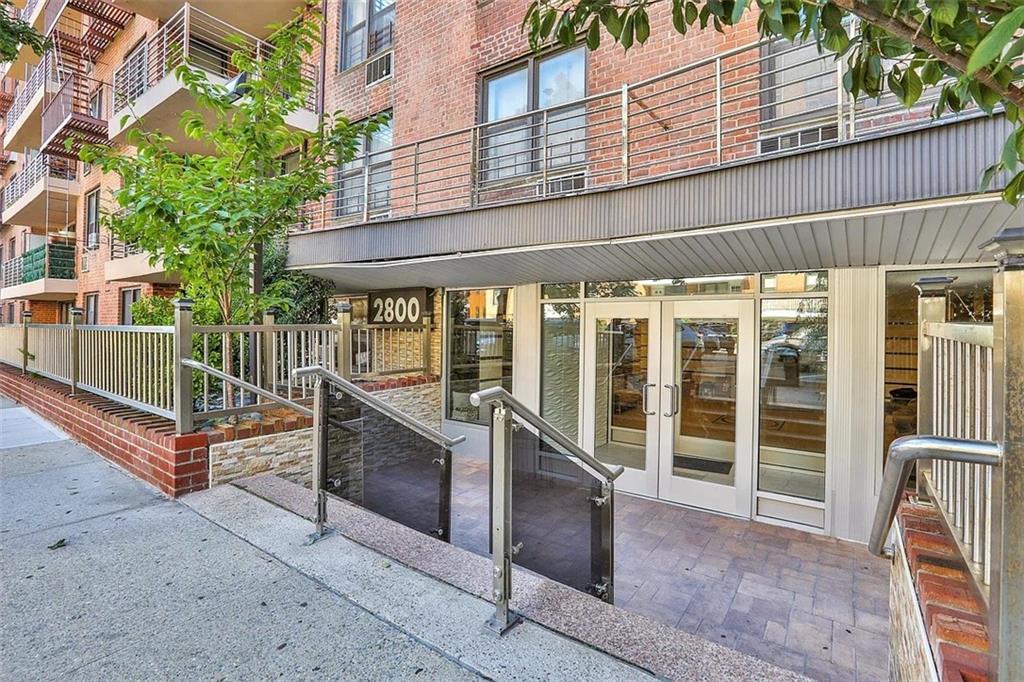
[{"x": 950, "y": 231}]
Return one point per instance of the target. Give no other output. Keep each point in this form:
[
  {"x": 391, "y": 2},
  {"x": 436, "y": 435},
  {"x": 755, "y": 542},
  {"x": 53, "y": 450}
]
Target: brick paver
[{"x": 812, "y": 604}]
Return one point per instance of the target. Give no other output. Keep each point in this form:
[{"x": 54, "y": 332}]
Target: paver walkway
[
  {"x": 800, "y": 601},
  {"x": 101, "y": 578}
]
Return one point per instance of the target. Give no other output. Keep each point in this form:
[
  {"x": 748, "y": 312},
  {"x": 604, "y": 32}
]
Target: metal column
[
  {"x": 931, "y": 307},
  {"x": 501, "y": 519}
]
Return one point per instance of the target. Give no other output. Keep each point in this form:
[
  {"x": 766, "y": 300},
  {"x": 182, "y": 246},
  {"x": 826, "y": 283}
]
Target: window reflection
[
  {"x": 794, "y": 359},
  {"x": 720, "y": 284},
  {"x": 480, "y": 323},
  {"x": 560, "y": 366},
  {"x": 620, "y": 425}
]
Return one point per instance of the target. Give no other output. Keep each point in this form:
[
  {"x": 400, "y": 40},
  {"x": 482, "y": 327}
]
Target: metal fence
[
  {"x": 752, "y": 102},
  {"x": 391, "y": 350}
]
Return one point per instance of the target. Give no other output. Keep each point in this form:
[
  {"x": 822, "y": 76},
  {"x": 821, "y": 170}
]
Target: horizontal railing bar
[
  {"x": 379, "y": 405},
  {"x": 972, "y": 334},
  {"x": 497, "y": 394},
  {"x": 903, "y": 453}
]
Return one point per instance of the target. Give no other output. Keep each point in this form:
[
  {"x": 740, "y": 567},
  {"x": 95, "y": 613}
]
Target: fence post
[
  {"x": 1006, "y": 600},
  {"x": 183, "y": 407},
  {"x": 26, "y": 320},
  {"x": 269, "y": 351},
  {"x": 76, "y": 320},
  {"x": 501, "y": 519},
  {"x": 343, "y": 361},
  {"x": 931, "y": 307},
  {"x": 318, "y": 475}
]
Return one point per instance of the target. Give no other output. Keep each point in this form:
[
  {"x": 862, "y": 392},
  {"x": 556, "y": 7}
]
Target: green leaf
[
  {"x": 678, "y": 17},
  {"x": 912, "y": 87},
  {"x": 944, "y": 11},
  {"x": 612, "y": 22},
  {"x": 992, "y": 45},
  {"x": 626, "y": 37},
  {"x": 738, "y": 8},
  {"x": 691, "y": 13},
  {"x": 1011, "y": 194},
  {"x": 642, "y": 25}
]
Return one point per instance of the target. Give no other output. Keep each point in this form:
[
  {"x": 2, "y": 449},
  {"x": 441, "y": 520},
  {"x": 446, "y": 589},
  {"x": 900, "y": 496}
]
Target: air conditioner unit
[
  {"x": 379, "y": 68},
  {"x": 795, "y": 139},
  {"x": 86, "y": 260},
  {"x": 563, "y": 184}
]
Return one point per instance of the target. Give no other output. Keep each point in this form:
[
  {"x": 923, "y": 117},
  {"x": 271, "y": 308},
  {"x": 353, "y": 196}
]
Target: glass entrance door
[
  {"x": 706, "y": 415},
  {"x": 622, "y": 347}
]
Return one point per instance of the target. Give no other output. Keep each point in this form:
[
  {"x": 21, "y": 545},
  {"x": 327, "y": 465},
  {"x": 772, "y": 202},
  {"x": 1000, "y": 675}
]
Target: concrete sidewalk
[{"x": 103, "y": 578}]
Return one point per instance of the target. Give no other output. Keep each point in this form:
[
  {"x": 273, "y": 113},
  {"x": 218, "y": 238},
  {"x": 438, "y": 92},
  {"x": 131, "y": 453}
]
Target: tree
[
  {"x": 203, "y": 215},
  {"x": 15, "y": 32},
  {"x": 972, "y": 50},
  {"x": 307, "y": 295}
]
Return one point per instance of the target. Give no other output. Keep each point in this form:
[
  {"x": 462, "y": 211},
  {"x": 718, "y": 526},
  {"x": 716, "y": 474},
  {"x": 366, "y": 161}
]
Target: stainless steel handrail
[
  {"x": 497, "y": 394},
  {"x": 379, "y": 405},
  {"x": 902, "y": 454},
  {"x": 245, "y": 385}
]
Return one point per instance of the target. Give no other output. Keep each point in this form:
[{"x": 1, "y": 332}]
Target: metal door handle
[
  {"x": 643, "y": 392},
  {"x": 673, "y": 409}
]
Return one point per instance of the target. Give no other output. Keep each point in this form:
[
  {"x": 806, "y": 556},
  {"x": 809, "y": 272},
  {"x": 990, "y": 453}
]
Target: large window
[
  {"x": 794, "y": 379},
  {"x": 92, "y": 308},
  {"x": 798, "y": 96},
  {"x": 367, "y": 29},
  {"x": 515, "y": 147},
  {"x": 368, "y": 175},
  {"x": 480, "y": 323},
  {"x": 92, "y": 220},
  {"x": 128, "y": 297},
  {"x": 560, "y": 366}
]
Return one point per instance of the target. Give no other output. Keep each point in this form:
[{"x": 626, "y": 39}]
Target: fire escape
[{"x": 77, "y": 115}]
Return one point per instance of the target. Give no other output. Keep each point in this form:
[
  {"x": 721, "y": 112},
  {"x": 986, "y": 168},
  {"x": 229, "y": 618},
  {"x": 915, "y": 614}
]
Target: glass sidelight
[{"x": 622, "y": 391}]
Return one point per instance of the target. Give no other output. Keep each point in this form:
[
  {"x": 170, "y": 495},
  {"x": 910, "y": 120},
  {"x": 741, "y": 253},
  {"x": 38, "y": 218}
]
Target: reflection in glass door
[
  {"x": 621, "y": 390},
  {"x": 707, "y": 404}
]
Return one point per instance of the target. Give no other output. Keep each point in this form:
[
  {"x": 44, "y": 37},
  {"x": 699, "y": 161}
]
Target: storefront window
[
  {"x": 794, "y": 282},
  {"x": 560, "y": 366},
  {"x": 791, "y": 429},
  {"x": 560, "y": 290},
  {"x": 969, "y": 301},
  {"x": 690, "y": 286},
  {"x": 480, "y": 323}
]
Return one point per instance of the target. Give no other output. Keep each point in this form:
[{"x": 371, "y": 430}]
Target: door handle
[
  {"x": 643, "y": 392},
  {"x": 673, "y": 409}
]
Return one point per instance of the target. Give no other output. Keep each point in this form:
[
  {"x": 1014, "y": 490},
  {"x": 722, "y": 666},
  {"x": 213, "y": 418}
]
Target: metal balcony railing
[
  {"x": 200, "y": 39},
  {"x": 42, "y": 166},
  {"x": 28, "y": 91},
  {"x": 52, "y": 261},
  {"x": 122, "y": 249},
  {"x": 753, "y": 102}
]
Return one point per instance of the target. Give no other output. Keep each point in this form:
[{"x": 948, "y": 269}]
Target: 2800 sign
[{"x": 397, "y": 306}]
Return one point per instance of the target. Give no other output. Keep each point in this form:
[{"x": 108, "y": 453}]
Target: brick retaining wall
[{"x": 143, "y": 444}]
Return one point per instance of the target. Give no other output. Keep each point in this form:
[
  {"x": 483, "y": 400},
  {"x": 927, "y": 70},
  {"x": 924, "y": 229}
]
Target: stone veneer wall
[
  {"x": 289, "y": 454},
  {"x": 909, "y": 657}
]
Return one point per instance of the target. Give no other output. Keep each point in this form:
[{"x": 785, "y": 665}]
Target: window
[
  {"x": 798, "y": 96},
  {"x": 511, "y": 148},
  {"x": 480, "y": 324},
  {"x": 371, "y": 167},
  {"x": 367, "y": 29},
  {"x": 92, "y": 308},
  {"x": 92, "y": 220},
  {"x": 560, "y": 366},
  {"x": 688, "y": 286},
  {"x": 128, "y": 297},
  {"x": 96, "y": 105}
]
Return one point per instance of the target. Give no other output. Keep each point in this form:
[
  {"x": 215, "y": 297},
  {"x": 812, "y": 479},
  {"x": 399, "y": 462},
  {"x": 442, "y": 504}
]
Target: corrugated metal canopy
[{"x": 948, "y": 232}]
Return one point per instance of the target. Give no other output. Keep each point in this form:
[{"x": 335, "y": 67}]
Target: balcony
[
  {"x": 129, "y": 264},
  {"x": 7, "y": 93},
  {"x": 701, "y": 146},
  {"x": 46, "y": 273},
  {"x": 75, "y": 116},
  {"x": 24, "y": 121},
  {"x": 145, "y": 85},
  {"x": 44, "y": 195},
  {"x": 254, "y": 19},
  {"x": 32, "y": 13}
]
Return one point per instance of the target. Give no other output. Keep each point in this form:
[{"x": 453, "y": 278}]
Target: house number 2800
[{"x": 389, "y": 310}]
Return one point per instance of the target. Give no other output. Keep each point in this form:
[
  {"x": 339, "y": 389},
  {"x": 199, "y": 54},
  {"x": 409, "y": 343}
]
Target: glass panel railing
[
  {"x": 377, "y": 462},
  {"x": 561, "y": 516}
]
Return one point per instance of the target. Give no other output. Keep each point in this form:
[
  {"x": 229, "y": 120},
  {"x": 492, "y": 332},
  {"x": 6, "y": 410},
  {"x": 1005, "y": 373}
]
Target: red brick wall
[{"x": 142, "y": 444}]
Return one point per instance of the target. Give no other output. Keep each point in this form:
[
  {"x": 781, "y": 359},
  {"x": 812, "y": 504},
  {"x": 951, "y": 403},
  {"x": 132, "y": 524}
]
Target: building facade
[{"x": 696, "y": 258}]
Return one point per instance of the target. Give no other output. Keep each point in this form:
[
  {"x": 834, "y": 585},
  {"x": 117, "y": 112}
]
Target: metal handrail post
[
  {"x": 931, "y": 307},
  {"x": 718, "y": 110},
  {"x": 76, "y": 320},
  {"x": 319, "y": 472},
  {"x": 501, "y": 519},
  {"x": 183, "y": 407},
  {"x": 1006, "y": 586},
  {"x": 544, "y": 155},
  {"x": 26, "y": 320},
  {"x": 268, "y": 351},
  {"x": 624, "y": 131},
  {"x": 427, "y": 344},
  {"x": 343, "y": 361}
]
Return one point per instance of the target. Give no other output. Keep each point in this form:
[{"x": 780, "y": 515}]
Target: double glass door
[{"x": 668, "y": 394}]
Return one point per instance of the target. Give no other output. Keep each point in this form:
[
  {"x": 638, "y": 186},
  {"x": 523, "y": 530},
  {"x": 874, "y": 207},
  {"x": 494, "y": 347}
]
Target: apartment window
[
  {"x": 92, "y": 308},
  {"x": 798, "y": 96},
  {"x": 96, "y": 105},
  {"x": 370, "y": 167},
  {"x": 92, "y": 219},
  {"x": 512, "y": 146},
  {"x": 128, "y": 297},
  {"x": 367, "y": 29}
]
